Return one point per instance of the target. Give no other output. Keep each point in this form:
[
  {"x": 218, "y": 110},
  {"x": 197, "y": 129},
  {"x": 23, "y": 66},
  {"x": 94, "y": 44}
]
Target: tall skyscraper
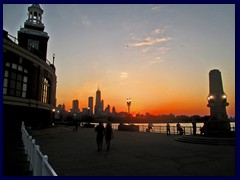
[
  {"x": 75, "y": 105},
  {"x": 217, "y": 102},
  {"x": 98, "y": 104},
  {"x": 90, "y": 105}
]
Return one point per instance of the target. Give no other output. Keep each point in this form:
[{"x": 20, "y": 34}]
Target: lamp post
[
  {"x": 128, "y": 104},
  {"x": 53, "y": 58}
]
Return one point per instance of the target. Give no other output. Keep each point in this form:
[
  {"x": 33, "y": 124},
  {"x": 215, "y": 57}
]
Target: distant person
[
  {"x": 194, "y": 127},
  {"x": 108, "y": 134},
  {"x": 150, "y": 126},
  {"x": 76, "y": 124},
  {"x": 100, "y": 133},
  {"x": 178, "y": 128},
  {"x": 168, "y": 129}
]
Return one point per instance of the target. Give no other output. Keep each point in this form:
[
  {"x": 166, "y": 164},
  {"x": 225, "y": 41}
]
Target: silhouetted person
[
  {"x": 76, "y": 125},
  {"x": 194, "y": 127},
  {"x": 100, "y": 133},
  {"x": 178, "y": 128},
  {"x": 168, "y": 129},
  {"x": 109, "y": 134},
  {"x": 150, "y": 126}
]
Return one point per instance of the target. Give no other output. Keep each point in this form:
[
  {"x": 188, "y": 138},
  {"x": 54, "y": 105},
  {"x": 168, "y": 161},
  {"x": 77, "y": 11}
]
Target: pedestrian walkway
[{"x": 74, "y": 153}]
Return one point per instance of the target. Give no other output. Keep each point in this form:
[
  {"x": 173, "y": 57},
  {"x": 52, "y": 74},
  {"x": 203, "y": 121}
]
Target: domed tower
[
  {"x": 217, "y": 102},
  {"x": 32, "y": 36}
]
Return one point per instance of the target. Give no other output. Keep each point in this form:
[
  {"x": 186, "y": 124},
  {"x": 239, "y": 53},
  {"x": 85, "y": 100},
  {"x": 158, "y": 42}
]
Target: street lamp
[
  {"x": 53, "y": 58},
  {"x": 128, "y": 104}
]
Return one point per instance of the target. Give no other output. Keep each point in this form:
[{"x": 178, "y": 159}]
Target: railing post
[
  {"x": 37, "y": 162},
  {"x": 31, "y": 153},
  {"x": 43, "y": 167},
  {"x": 29, "y": 146}
]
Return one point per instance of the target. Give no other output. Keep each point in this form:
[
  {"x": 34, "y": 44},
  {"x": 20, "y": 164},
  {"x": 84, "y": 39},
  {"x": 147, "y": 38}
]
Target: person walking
[
  {"x": 109, "y": 134},
  {"x": 194, "y": 127},
  {"x": 100, "y": 133},
  {"x": 168, "y": 129}
]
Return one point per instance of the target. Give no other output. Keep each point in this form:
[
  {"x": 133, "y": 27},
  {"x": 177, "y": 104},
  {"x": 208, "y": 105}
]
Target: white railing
[{"x": 38, "y": 162}]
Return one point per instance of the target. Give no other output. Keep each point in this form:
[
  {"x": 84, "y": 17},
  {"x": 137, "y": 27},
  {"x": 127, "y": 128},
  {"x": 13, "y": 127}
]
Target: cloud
[
  {"x": 156, "y": 8},
  {"x": 85, "y": 21},
  {"x": 156, "y": 31},
  {"x": 156, "y": 60},
  {"x": 123, "y": 75},
  {"x": 146, "y": 49},
  {"x": 163, "y": 49},
  {"x": 149, "y": 41}
]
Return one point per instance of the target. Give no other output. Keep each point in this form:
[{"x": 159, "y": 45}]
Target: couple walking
[{"x": 101, "y": 132}]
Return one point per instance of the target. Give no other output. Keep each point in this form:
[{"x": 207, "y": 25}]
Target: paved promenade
[{"x": 131, "y": 154}]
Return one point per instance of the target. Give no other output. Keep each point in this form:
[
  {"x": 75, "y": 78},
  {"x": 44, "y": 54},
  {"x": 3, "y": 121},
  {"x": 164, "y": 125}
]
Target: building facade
[
  {"x": 90, "y": 105},
  {"x": 99, "y": 104},
  {"x": 29, "y": 79}
]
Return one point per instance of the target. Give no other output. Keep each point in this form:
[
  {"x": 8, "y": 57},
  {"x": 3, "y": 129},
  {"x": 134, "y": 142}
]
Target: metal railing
[
  {"x": 38, "y": 162},
  {"x": 187, "y": 130}
]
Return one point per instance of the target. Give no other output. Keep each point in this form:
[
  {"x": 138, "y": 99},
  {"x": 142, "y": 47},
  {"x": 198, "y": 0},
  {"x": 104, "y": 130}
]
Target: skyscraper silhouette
[
  {"x": 98, "y": 105},
  {"x": 217, "y": 102},
  {"x": 90, "y": 105}
]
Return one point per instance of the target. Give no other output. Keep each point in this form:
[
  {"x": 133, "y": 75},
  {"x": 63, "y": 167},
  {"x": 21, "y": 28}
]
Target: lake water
[{"x": 161, "y": 127}]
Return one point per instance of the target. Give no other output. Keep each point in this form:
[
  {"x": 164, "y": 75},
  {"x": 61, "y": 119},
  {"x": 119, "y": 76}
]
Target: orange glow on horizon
[{"x": 175, "y": 108}]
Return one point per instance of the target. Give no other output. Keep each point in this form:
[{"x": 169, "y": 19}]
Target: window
[
  {"x": 32, "y": 44},
  {"x": 45, "y": 91},
  {"x": 15, "y": 80}
]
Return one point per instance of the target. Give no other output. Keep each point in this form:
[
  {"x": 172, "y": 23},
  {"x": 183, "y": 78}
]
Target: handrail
[
  {"x": 188, "y": 130},
  {"x": 38, "y": 162}
]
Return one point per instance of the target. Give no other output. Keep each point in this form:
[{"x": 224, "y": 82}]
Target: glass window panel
[
  {"x": 23, "y": 94},
  {"x": 5, "y": 83},
  {"x": 25, "y": 71},
  {"x": 20, "y": 68},
  {"x": 12, "y": 92},
  {"x": 4, "y": 90},
  {"x": 19, "y": 85},
  {"x": 13, "y": 75},
  {"x": 12, "y": 84},
  {"x": 19, "y": 77},
  {"x": 8, "y": 64},
  {"x": 18, "y": 93},
  {"x": 14, "y": 66},
  {"x": 24, "y": 87},
  {"x": 6, "y": 74},
  {"x": 25, "y": 79}
]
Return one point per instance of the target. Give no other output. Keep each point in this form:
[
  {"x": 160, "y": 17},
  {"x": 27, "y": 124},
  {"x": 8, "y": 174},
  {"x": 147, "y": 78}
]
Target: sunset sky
[{"x": 158, "y": 55}]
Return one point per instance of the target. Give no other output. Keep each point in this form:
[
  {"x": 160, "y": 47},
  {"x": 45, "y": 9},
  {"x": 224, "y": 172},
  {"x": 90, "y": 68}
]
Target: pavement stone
[{"x": 74, "y": 153}]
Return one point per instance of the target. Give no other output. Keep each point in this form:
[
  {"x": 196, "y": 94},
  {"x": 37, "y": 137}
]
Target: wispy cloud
[
  {"x": 156, "y": 31},
  {"x": 85, "y": 21},
  {"x": 123, "y": 75},
  {"x": 146, "y": 49},
  {"x": 155, "y": 61},
  {"x": 149, "y": 41},
  {"x": 156, "y": 8},
  {"x": 163, "y": 49}
]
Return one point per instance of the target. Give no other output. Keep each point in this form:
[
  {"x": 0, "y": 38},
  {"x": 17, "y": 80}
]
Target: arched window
[
  {"x": 15, "y": 80},
  {"x": 45, "y": 91}
]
